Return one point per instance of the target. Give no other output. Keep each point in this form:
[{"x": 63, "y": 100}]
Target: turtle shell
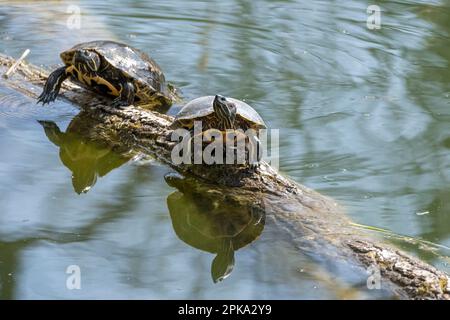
[
  {"x": 203, "y": 106},
  {"x": 134, "y": 64}
]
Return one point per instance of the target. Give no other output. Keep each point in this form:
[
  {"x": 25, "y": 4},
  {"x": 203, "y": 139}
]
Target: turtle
[
  {"x": 221, "y": 113},
  {"x": 113, "y": 69}
]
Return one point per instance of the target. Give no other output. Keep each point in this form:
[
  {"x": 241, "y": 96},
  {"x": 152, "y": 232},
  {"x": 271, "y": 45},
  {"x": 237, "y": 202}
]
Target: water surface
[{"x": 363, "y": 117}]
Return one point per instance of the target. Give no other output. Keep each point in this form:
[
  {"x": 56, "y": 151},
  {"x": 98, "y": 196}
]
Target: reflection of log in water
[{"x": 313, "y": 222}]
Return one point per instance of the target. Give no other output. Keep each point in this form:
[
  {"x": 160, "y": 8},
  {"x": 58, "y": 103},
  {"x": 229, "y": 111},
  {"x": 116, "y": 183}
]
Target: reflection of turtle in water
[
  {"x": 84, "y": 158},
  {"x": 221, "y": 113},
  {"x": 113, "y": 69},
  {"x": 212, "y": 222}
]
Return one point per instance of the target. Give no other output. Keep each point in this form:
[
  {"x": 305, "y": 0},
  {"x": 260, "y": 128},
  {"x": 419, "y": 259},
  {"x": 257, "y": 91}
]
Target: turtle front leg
[
  {"x": 255, "y": 150},
  {"x": 53, "y": 85},
  {"x": 126, "y": 97}
]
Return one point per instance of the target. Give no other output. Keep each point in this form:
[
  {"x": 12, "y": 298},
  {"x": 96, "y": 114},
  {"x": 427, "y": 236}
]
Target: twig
[{"x": 18, "y": 61}]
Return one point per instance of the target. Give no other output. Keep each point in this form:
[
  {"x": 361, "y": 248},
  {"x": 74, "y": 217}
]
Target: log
[{"x": 314, "y": 223}]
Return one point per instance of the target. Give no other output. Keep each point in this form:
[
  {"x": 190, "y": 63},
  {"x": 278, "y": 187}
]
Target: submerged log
[{"x": 315, "y": 224}]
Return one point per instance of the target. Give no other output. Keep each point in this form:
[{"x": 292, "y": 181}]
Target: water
[{"x": 363, "y": 117}]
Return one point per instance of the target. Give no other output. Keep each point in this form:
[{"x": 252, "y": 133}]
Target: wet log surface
[{"x": 315, "y": 224}]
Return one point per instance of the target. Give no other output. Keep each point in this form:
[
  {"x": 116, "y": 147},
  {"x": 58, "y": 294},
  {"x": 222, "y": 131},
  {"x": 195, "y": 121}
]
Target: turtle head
[
  {"x": 225, "y": 111},
  {"x": 87, "y": 61}
]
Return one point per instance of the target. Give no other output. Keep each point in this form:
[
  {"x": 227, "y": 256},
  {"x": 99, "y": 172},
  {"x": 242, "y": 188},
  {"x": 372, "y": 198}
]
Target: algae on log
[{"x": 314, "y": 223}]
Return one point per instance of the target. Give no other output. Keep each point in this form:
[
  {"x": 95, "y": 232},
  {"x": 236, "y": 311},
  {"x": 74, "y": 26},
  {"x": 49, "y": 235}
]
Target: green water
[{"x": 363, "y": 117}]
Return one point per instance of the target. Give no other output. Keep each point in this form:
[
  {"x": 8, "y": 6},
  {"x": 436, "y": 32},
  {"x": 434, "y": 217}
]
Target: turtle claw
[
  {"x": 119, "y": 103},
  {"x": 46, "y": 98},
  {"x": 254, "y": 166},
  {"x": 52, "y": 86}
]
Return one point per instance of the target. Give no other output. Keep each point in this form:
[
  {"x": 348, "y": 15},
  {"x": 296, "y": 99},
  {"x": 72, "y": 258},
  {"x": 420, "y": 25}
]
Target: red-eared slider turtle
[
  {"x": 221, "y": 113},
  {"x": 113, "y": 69}
]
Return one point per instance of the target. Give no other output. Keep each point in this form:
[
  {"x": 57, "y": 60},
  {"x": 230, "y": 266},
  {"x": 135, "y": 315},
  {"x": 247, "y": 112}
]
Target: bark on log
[{"x": 314, "y": 223}]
